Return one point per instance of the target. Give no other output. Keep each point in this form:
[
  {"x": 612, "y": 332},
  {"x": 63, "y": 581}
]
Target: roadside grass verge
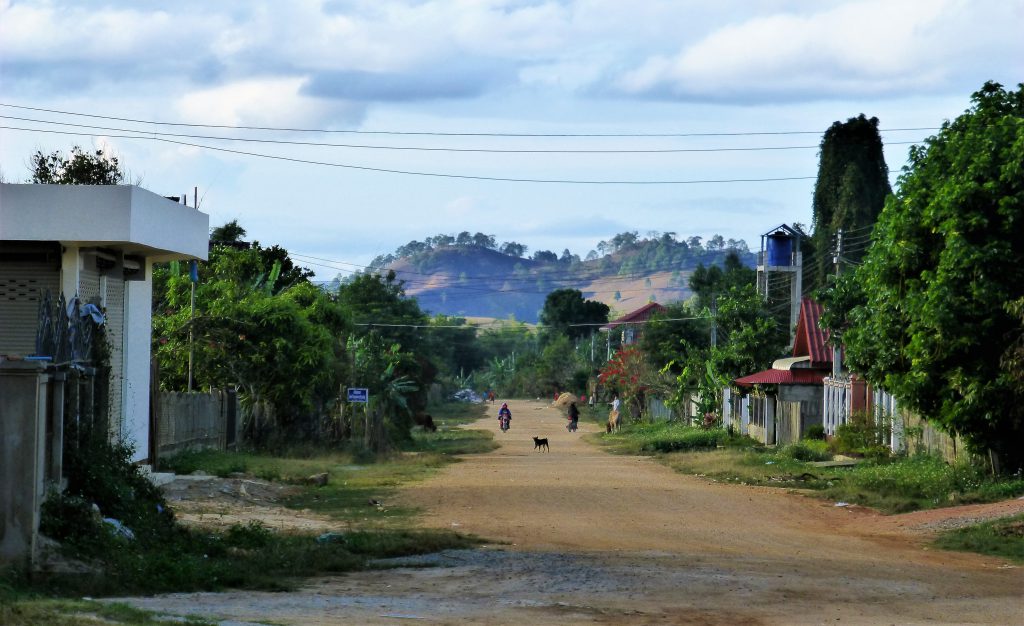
[
  {"x": 897, "y": 484},
  {"x": 354, "y": 477},
  {"x": 1002, "y": 538},
  {"x": 34, "y": 610},
  {"x": 165, "y": 556}
]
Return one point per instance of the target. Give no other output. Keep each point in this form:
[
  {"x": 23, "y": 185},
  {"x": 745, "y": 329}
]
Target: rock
[{"x": 331, "y": 537}]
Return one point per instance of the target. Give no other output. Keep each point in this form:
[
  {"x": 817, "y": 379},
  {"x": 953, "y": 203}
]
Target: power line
[
  {"x": 322, "y": 144},
  {"x": 365, "y": 168},
  {"x": 442, "y": 134}
]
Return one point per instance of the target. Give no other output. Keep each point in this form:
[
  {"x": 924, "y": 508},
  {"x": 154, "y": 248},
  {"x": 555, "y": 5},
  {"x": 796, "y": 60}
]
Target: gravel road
[{"x": 582, "y": 536}]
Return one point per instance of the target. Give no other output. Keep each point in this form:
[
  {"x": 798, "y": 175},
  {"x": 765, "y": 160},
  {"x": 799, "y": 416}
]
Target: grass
[
  {"x": 251, "y": 556},
  {"x": 41, "y": 611},
  {"x": 1001, "y": 538},
  {"x": 891, "y": 485}
]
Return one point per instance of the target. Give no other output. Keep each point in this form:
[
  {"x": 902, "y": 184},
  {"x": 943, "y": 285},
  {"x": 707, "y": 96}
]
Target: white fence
[{"x": 836, "y": 403}]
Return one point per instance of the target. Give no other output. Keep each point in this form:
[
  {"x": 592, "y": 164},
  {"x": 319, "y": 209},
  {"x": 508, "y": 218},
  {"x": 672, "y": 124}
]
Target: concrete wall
[
  {"x": 138, "y": 331},
  {"x": 23, "y": 415}
]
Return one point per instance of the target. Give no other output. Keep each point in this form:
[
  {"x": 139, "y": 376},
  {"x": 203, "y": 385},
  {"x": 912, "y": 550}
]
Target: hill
[{"x": 473, "y": 280}]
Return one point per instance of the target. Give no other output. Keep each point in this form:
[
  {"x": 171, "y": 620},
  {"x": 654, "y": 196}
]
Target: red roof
[
  {"x": 811, "y": 340},
  {"x": 782, "y": 377},
  {"x": 642, "y": 314}
]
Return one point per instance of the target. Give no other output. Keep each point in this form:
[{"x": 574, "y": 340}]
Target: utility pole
[
  {"x": 837, "y": 352},
  {"x": 714, "y": 321}
]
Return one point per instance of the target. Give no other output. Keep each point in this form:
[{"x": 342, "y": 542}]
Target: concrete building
[
  {"x": 99, "y": 244},
  {"x": 779, "y": 405}
]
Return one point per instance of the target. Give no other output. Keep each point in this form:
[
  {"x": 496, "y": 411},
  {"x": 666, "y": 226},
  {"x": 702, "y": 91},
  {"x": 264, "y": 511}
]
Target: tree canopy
[
  {"x": 852, "y": 184},
  {"x": 565, "y": 307},
  {"x": 928, "y": 315},
  {"x": 77, "y": 168}
]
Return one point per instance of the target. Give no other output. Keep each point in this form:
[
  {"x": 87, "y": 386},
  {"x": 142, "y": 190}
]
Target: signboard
[{"x": 358, "y": 394}]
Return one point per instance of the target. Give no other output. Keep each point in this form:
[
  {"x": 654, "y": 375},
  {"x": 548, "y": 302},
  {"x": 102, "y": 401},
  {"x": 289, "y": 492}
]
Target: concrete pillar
[{"x": 23, "y": 413}]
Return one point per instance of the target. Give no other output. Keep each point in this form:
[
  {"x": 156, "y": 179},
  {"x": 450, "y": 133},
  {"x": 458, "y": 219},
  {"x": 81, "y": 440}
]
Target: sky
[{"x": 597, "y": 117}]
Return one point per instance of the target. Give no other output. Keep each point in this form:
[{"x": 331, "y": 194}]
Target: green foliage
[
  {"x": 1000, "y": 538},
  {"x": 852, "y": 184},
  {"x": 77, "y": 168},
  {"x": 565, "y": 307},
  {"x": 809, "y": 450},
  {"x": 661, "y": 437},
  {"x": 709, "y": 282},
  {"x": 863, "y": 435},
  {"x": 947, "y": 255},
  {"x": 816, "y": 432}
]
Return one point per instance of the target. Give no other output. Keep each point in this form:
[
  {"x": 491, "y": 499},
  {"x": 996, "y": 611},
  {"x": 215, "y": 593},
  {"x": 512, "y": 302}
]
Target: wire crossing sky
[{"x": 345, "y": 130}]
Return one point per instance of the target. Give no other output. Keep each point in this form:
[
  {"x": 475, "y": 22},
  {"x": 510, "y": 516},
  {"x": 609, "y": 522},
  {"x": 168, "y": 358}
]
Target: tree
[
  {"x": 853, "y": 182},
  {"x": 947, "y": 256},
  {"x": 512, "y": 248},
  {"x": 545, "y": 256},
  {"x": 709, "y": 282},
  {"x": 78, "y": 168},
  {"x": 563, "y": 308},
  {"x": 232, "y": 232}
]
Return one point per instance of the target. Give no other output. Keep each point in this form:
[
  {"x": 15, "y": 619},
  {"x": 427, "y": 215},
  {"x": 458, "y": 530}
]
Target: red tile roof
[
  {"x": 642, "y": 314},
  {"x": 811, "y": 340},
  {"x": 782, "y": 377}
]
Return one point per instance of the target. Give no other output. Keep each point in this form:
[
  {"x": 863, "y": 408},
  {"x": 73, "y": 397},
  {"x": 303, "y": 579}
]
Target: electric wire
[
  {"x": 441, "y": 134},
  {"x": 383, "y": 170},
  {"x": 146, "y": 133}
]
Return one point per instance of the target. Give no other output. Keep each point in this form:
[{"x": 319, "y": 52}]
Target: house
[
  {"x": 778, "y": 405},
  {"x": 93, "y": 245},
  {"x": 630, "y": 324}
]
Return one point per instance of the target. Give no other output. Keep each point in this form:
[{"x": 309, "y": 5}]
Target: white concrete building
[{"x": 97, "y": 242}]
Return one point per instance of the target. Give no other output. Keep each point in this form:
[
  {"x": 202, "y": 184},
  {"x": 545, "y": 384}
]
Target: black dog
[{"x": 539, "y": 444}]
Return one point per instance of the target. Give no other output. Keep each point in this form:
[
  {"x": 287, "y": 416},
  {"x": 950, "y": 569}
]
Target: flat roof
[{"x": 126, "y": 217}]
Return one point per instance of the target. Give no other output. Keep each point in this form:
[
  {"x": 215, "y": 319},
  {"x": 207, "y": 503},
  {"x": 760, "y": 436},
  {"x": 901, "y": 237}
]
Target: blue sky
[{"x": 605, "y": 67}]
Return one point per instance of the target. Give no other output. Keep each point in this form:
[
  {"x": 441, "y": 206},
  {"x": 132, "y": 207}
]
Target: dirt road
[{"x": 595, "y": 538}]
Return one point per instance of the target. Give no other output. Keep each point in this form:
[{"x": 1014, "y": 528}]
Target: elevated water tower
[{"x": 780, "y": 273}]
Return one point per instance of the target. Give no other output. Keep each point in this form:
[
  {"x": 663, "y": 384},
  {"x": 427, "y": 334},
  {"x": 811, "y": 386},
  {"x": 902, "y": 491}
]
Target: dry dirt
[{"x": 588, "y": 537}]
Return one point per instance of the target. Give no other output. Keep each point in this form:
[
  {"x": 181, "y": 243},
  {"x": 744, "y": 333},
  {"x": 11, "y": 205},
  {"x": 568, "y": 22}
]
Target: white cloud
[
  {"x": 873, "y": 47},
  {"x": 261, "y": 101}
]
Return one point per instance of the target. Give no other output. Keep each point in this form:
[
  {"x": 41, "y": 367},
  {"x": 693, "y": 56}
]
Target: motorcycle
[{"x": 505, "y": 422}]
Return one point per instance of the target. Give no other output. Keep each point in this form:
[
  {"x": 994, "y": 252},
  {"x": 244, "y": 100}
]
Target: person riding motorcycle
[{"x": 504, "y": 416}]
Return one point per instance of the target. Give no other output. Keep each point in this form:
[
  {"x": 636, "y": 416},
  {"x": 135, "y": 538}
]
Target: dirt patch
[
  {"x": 218, "y": 503},
  {"x": 587, "y": 537}
]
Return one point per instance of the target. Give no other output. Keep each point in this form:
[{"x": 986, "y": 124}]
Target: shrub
[
  {"x": 816, "y": 431},
  {"x": 862, "y": 436},
  {"x": 811, "y": 450}
]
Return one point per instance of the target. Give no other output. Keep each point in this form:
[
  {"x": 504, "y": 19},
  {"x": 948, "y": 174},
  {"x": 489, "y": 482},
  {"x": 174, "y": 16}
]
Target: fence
[
  {"x": 196, "y": 420},
  {"x": 904, "y": 431}
]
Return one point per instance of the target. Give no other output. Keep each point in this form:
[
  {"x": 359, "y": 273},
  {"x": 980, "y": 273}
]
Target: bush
[
  {"x": 862, "y": 436},
  {"x": 816, "y": 432},
  {"x": 811, "y": 450}
]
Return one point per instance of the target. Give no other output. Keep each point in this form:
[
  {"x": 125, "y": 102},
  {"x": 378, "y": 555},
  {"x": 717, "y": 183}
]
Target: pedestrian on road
[{"x": 574, "y": 417}]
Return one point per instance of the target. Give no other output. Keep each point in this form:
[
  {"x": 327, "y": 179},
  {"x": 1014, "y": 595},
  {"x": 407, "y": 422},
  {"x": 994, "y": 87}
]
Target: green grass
[
  {"x": 662, "y": 437},
  {"x": 891, "y": 485},
  {"x": 174, "y": 558},
  {"x": 1002, "y": 538},
  {"x": 26, "y": 609}
]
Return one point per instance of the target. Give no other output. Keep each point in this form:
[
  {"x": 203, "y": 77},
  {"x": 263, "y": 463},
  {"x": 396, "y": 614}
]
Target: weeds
[
  {"x": 1001, "y": 538},
  {"x": 164, "y": 556}
]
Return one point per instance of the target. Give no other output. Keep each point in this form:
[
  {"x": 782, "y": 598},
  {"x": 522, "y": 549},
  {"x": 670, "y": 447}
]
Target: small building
[
  {"x": 778, "y": 405},
  {"x": 630, "y": 325},
  {"x": 93, "y": 245}
]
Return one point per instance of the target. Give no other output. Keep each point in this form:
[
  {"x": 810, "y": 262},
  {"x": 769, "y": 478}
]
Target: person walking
[{"x": 574, "y": 417}]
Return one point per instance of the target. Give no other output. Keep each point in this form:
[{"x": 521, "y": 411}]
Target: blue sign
[{"x": 358, "y": 394}]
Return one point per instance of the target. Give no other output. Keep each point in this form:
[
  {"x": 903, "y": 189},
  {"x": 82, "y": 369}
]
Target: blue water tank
[{"x": 780, "y": 249}]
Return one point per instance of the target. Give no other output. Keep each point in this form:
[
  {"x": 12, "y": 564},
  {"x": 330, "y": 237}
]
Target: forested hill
[{"x": 472, "y": 276}]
